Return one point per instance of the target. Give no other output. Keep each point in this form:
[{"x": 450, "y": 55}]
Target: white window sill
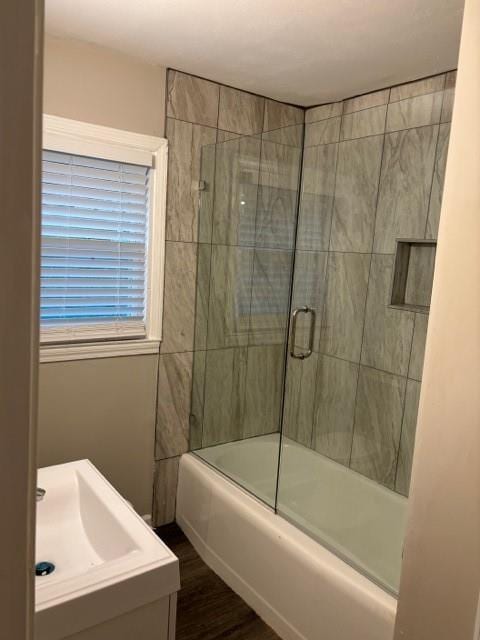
[{"x": 92, "y": 350}]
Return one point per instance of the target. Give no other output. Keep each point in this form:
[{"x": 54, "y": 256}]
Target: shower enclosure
[{"x": 315, "y": 269}]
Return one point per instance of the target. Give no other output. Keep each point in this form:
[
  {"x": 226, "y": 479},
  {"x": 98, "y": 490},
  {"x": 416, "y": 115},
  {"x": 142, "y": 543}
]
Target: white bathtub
[{"x": 296, "y": 585}]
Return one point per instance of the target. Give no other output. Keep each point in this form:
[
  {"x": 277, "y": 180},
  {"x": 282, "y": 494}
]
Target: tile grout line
[
  {"x": 379, "y": 90},
  {"x": 376, "y": 106},
  {"x": 280, "y": 249},
  {"x": 332, "y": 215},
  {"x": 208, "y": 293},
  {"x": 366, "y": 366},
  {"x": 319, "y": 353},
  {"x": 154, "y": 492},
  {"x": 379, "y": 183},
  {"x": 288, "y": 320},
  {"x": 395, "y": 477},
  {"x": 254, "y": 246},
  {"x": 277, "y": 343},
  {"x": 313, "y": 437},
  {"x": 377, "y": 135},
  {"x": 427, "y": 217},
  {"x": 297, "y": 252}
]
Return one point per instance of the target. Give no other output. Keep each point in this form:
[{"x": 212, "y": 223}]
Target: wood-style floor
[{"x": 207, "y": 609}]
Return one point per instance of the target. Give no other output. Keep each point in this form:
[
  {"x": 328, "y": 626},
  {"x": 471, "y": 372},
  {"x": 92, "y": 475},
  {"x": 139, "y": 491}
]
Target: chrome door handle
[{"x": 305, "y": 354}]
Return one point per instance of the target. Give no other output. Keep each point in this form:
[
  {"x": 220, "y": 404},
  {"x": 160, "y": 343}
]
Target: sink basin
[{"x": 107, "y": 560}]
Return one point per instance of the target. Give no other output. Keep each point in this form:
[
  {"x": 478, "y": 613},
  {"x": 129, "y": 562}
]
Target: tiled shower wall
[
  {"x": 373, "y": 172},
  {"x": 201, "y": 113}
]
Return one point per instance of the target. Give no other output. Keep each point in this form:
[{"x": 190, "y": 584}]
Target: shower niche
[{"x": 413, "y": 274}]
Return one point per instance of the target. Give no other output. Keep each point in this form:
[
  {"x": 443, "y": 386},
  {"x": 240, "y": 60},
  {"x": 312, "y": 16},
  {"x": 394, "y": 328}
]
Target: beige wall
[
  {"x": 86, "y": 82},
  {"x": 102, "y": 409},
  {"x": 20, "y": 129},
  {"x": 441, "y": 572}
]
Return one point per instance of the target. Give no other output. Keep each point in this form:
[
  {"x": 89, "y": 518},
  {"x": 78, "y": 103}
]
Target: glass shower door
[
  {"x": 313, "y": 317},
  {"x": 342, "y": 416},
  {"x": 247, "y": 222},
  {"x": 372, "y": 184}
]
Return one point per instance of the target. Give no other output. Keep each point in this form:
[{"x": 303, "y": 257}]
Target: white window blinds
[{"x": 95, "y": 216}]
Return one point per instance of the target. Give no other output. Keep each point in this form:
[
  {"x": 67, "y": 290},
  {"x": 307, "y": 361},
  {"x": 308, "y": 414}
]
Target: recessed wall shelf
[{"x": 413, "y": 274}]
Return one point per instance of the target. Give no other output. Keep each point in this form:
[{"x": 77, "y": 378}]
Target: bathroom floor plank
[{"x": 207, "y": 608}]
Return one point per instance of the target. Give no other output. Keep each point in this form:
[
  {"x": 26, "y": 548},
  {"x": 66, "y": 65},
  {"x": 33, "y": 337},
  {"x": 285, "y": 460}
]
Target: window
[{"x": 103, "y": 208}]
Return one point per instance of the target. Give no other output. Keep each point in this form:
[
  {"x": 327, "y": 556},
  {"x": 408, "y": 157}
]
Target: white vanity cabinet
[{"x": 113, "y": 577}]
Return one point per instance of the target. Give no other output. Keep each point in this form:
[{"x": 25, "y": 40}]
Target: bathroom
[{"x": 241, "y": 333}]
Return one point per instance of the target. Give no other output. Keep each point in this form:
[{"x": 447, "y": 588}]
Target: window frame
[{"x": 82, "y": 138}]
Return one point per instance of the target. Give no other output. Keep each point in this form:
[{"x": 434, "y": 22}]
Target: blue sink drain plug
[{"x": 44, "y": 568}]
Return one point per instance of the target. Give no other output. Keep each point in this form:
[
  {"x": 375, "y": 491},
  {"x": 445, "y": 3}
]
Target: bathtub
[{"x": 299, "y": 587}]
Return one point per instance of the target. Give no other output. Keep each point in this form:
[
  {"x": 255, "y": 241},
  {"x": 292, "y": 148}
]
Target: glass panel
[
  {"x": 368, "y": 217},
  {"x": 247, "y": 219},
  {"x": 362, "y": 238}
]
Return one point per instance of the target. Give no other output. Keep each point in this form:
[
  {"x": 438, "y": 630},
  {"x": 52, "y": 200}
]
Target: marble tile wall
[
  {"x": 373, "y": 172},
  {"x": 220, "y": 373}
]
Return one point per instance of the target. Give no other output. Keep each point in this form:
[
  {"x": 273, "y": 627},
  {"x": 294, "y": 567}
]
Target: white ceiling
[{"x": 301, "y": 51}]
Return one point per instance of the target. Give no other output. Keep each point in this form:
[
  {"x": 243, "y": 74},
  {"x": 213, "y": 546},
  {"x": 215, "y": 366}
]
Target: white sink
[{"x": 107, "y": 560}]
